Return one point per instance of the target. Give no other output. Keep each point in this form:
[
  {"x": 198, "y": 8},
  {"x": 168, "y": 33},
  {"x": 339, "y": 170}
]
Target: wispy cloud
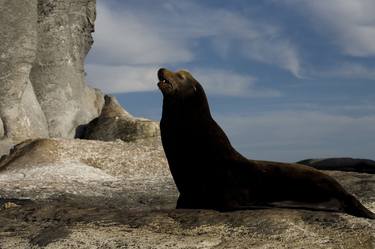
[
  {"x": 296, "y": 135},
  {"x": 222, "y": 82},
  {"x": 349, "y": 70},
  {"x": 233, "y": 34},
  {"x": 132, "y": 40},
  {"x": 350, "y": 24},
  {"x": 123, "y": 78},
  {"x": 124, "y": 37},
  {"x": 119, "y": 79},
  {"x": 130, "y": 36}
]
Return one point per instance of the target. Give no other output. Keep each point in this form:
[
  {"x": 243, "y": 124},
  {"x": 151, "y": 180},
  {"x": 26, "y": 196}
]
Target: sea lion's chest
[{"x": 184, "y": 139}]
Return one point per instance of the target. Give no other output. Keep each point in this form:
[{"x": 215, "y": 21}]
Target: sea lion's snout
[
  {"x": 161, "y": 74},
  {"x": 165, "y": 76},
  {"x": 164, "y": 84}
]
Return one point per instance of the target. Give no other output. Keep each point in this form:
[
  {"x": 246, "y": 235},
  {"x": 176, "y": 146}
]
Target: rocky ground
[{"x": 61, "y": 193}]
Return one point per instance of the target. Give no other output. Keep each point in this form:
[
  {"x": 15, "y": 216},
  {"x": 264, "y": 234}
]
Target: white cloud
[
  {"x": 348, "y": 23},
  {"x": 118, "y": 79},
  {"x": 235, "y": 35},
  {"x": 131, "y": 36},
  {"x": 292, "y": 136},
  {"x": 349, "y": 70},
  {"x": 131, "y": 42},
  {"x": 222, "y": 82},
  {"x": 125, "y": 37},
  {"x": 283, "y": 54}
]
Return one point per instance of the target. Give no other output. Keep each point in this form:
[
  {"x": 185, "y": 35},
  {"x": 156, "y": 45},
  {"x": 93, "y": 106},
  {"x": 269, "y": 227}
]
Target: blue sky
[{"x": 286, "y": 79}]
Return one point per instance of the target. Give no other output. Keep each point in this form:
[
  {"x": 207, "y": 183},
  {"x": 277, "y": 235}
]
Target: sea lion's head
[{"x": 177, "y": 84}]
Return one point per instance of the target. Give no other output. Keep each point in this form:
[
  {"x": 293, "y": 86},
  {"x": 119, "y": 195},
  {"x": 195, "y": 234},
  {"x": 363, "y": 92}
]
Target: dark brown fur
[{"x": 210, "y": 174}]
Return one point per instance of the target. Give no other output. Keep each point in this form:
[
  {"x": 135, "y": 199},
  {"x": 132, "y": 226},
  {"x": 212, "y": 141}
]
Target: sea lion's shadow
[{"x": 253, "y": 218}]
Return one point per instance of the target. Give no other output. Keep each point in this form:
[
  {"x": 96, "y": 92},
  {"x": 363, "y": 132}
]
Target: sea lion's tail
[{"x": 354, "y": 207}]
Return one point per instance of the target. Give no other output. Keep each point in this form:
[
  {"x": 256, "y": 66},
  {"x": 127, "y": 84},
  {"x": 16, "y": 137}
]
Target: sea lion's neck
[
  {"x": 189, "y": 125},
  {"x": 179, "y": 109}
]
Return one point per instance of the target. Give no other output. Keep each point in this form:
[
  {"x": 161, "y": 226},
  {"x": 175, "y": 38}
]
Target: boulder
[
  {"x": 61, "y": 193},
  {"x": 116, "y": 123},
  {"x": 342, "y": 164}
]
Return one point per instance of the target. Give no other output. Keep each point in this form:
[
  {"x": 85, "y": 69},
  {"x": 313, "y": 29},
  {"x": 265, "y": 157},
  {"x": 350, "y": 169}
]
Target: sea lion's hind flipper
[{"x": 352, "y": 206}]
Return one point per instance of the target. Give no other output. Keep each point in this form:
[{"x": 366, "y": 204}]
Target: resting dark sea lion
[{"x": 210, "y": 174}]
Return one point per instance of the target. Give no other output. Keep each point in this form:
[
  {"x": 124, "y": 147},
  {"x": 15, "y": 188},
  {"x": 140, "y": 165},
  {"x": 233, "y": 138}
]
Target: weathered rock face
[
  {"x": 94, "y": 194},
  {"x": 115, "y": 123},
  {"x": 20, "y": 111},
  {"x": 64, "y": 34},
  {"x": 1, "y": 129},
  {"x": 42, "y": 88}
]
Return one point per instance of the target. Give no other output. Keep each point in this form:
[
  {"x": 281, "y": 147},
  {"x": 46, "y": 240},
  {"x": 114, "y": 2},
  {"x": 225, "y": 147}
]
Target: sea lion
[{"x": 210, "y": 174}]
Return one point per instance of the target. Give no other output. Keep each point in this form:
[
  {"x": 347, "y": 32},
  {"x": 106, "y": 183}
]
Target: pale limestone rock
[
  {"x": 64, "y": 39},
  {"x": 42, "y": 51},
  {"x": 42, "y": 88},
  {"x": 44, "y": 168},
  {"x": 20, "y": 112}
]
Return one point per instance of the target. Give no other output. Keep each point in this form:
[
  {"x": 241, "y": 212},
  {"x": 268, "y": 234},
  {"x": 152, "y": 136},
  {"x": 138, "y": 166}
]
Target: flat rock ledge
[
  {"x": 342, "y": 164},
  {"x": 65, "y": 193}
]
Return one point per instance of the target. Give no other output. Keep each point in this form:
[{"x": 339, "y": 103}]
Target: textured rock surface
[
  {"x": 115, "y": 123},
  {"x": 1, "y": 129},
  {"x": 342, "y": 164},
  {"x": 20, "y": 111},
  {"x": 46, "y": 168},
  {"x": 64, "y": 34},
  {"x": 90, "y": 194},
  {"x": 5, "y": 145},
  {"x": 42, "y": 88}
]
